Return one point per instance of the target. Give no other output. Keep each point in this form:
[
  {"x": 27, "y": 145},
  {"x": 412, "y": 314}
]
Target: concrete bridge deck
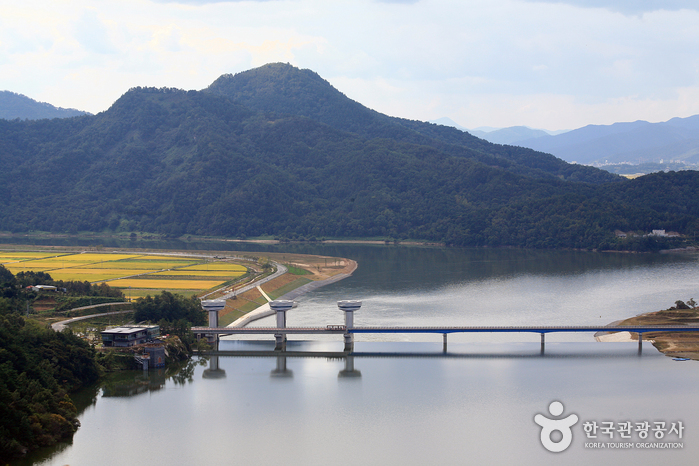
[{"x": 341, "y": 330}]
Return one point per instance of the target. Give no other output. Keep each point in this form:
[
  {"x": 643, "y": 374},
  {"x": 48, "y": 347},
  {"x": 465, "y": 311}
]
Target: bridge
[
  {"x": 348, "y": 330},
  {"x": 281, "y": 332}
]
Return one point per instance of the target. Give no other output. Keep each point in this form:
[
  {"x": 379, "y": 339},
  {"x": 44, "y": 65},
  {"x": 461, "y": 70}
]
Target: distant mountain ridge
[
  {"x": 13, "y": 105},
  {"x": 499, "y": 135},
  {"x": 634, "y": 142}
]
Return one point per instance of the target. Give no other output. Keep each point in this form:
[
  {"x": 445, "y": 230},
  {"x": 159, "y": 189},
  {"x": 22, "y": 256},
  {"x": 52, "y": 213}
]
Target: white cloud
[
  {"x": 541, "y": 63},
  {"x": 92, "y": 33},
  {"x": 630, "y": 6}
]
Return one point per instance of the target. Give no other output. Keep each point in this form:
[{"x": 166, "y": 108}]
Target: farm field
[
  {"x": 137, "y": 275},
  {"x": 7, "y": 257}
]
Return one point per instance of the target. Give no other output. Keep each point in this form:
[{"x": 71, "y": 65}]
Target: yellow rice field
[
  {"x": 20, "y": 267},
  {"x": 220, "y": 266},
  {"x": 141, "y": 270},
  {"x": 49, "y": 264},
  {"x": 199, "y": 273},
  {"x": 138, "y": 265},
  {"x": 168, "y": 258},
  {"x": 8, "y": 256},
  {"x": 92, "y": 275},
  {"x": 156, "y": 284},
  {"x": 96, "y": 257}
]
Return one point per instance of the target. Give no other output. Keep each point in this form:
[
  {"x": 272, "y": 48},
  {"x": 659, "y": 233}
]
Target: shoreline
[
  {"x": 672, "y": 344},
  {"x": 192, "y": 239},
  {"x": 266, "y": 311}
]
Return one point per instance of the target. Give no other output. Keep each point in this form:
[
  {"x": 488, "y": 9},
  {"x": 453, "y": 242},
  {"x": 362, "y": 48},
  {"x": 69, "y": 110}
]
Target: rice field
[
  {"x": 222, "y": 266},
  {"x": 12, "y": 256},
  {"x": 155, "y": 284},
  {"x": 92, "y": 275},
  {"x": 140, "y": 274},
  {"x": 199, "y": 273}
]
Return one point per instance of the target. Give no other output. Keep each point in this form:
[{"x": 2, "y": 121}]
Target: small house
[{"x": 129, "y": 335}]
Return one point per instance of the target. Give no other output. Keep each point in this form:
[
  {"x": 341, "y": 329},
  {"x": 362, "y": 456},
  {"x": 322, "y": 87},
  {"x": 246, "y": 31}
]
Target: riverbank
[
  {"x": 253, "y": 304},
  {"x": 147, "y": 237},
  {"x": 673, "y": 344}
]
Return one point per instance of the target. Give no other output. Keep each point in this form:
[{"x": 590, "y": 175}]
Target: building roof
[{"x": 128, "y": 329}]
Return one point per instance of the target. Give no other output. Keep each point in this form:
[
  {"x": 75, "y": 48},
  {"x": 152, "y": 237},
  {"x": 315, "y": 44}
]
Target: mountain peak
[{"x": 275, "y": 87}]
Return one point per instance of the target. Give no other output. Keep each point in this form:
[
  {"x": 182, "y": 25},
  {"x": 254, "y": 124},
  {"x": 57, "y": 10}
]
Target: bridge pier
[
  {"x": 280, "y": 306},
  {"x": 543, "y": 342},
  {"x": 349, "y": 307},
  {"x": 213, "y": 306},
  {"x": 640, "y": 343},
  {"x": 444, "y": 343}
]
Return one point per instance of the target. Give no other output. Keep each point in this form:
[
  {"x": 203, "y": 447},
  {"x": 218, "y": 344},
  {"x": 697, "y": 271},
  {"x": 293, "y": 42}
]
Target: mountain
[
  {"x": 445, "y": 121},
  {"x": 278, "y": 151},
  {"x": 285, "y": 90},
  {"x": 636, "y": 142},
  {"x": 499, "y": 135},
  {"x": 19, "y": 106},
  {"x": 510, "y": 135}
]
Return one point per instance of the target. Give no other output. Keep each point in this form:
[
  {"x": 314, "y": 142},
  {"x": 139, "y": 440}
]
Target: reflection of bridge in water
[{"x": 281, "y": 357}]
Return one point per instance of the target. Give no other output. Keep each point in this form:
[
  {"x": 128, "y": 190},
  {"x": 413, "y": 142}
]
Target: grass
[
  {"x": 296, "y": 270},
  {"x": 288, "y": 287},
  {"x": 231, "y": 317}
]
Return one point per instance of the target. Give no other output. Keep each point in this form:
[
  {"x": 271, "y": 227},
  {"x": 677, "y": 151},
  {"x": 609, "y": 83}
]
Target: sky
[{"x": 551, "y": 64}]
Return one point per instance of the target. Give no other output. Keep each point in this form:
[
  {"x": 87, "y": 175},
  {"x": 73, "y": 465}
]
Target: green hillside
[
  {"x": 14, "y": 105},
  {"x": 278, "y": 151}
]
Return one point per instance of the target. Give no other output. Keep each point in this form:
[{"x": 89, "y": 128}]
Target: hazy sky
[{"x": 545, "y": 64}]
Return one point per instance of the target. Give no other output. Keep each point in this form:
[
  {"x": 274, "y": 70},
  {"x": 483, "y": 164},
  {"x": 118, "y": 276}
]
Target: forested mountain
[
  {"x": 285, "y": 90},
  {"x": 14, "y": 105},
  {"x": 278, "y": 151}
]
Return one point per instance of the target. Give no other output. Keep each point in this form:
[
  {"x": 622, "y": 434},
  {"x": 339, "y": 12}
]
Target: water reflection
[
  {"x": 132, "y": 383},
  {"x": 214, "y": 371},
  {"x": 280, "y": 357}
]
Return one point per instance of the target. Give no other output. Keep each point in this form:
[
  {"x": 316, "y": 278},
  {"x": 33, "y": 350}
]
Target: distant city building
[
  {"x": 658, "y": 233},
  {"x": 129, "y": 335}
]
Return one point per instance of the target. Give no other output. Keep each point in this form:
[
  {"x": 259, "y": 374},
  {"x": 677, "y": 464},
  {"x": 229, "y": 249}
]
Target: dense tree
[
  {"x": 278, "y": 151},
  {"x": 38, "y": 367},
  {"x": 169, "y": 307}
]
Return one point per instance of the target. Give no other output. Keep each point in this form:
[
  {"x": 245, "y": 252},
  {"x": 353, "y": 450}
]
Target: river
[{"x": 399, "y": 399}]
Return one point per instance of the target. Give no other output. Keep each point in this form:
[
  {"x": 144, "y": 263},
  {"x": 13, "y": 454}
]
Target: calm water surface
[{"x": 406, "y": 402}]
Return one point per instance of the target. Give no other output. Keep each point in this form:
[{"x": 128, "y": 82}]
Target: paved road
[
  {"x": 281, "y": 270},
  {"x": 59, "y": 326}
]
